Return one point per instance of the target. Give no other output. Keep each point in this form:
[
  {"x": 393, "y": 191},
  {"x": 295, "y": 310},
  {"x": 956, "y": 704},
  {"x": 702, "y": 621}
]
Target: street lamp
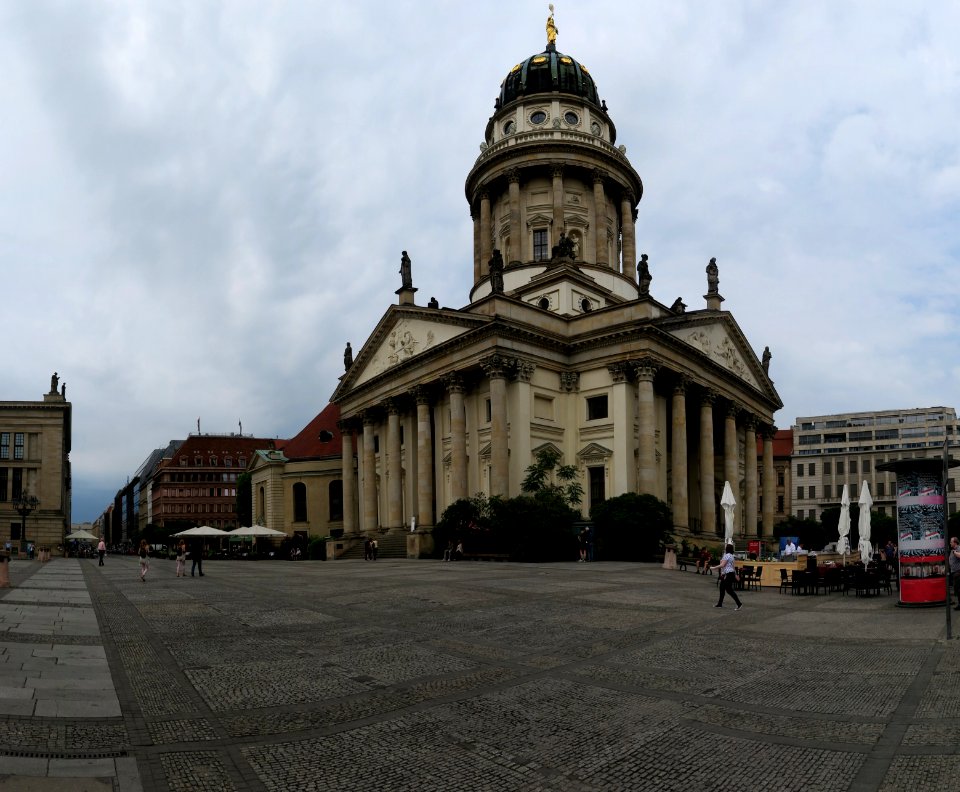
[{"x": 24, "y": 504}]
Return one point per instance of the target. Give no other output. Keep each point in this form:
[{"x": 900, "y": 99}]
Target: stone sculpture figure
[
  {"x": 713, "y": 277},
  {"x": 433, "y": 303},
  {"x": 496, "y": 272},
  {"x": 54, "y": 380},
  {"x": 765, "y": 362},
  {"x": 678, "y": 306},
  {"x": 643, "y": 267},
  {"x": 347, "y": 357},
  {"x": 551, "y": 28},
  {"x": 63, "y": 390},
  {"x": 406, "y": 276}
]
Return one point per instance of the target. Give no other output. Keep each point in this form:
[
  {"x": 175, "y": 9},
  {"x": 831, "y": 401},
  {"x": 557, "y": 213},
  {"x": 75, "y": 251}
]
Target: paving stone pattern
[{"x": 422, "y": 675}]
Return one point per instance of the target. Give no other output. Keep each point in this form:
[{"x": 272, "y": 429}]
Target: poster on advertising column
[{"x": 921, "y": 543}]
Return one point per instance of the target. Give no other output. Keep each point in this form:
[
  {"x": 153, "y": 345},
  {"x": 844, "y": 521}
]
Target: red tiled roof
[
  {"x": 308, "y": 443},
  {"x": 782, "y": 444},
  {"x": 205, "y": 445}
]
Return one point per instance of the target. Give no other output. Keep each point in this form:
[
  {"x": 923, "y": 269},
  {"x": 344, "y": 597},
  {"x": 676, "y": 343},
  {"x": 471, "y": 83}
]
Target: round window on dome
[
  {"x": 509, "y": 128},
  {"x": 538, "y": 117},
  {"x": 571, "y": 118}
]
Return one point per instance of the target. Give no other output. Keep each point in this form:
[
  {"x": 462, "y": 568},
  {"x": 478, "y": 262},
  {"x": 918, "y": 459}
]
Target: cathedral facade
[{"x": 561, "y": 345}]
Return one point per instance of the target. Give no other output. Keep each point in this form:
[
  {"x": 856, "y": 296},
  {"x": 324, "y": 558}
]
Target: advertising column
[{"x": 920, "y": 530}]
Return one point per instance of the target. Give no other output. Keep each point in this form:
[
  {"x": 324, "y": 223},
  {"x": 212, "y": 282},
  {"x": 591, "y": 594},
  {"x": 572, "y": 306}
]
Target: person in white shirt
[
  {"x": 790, "y": 548},
  {"x": 800, "y": 550}
]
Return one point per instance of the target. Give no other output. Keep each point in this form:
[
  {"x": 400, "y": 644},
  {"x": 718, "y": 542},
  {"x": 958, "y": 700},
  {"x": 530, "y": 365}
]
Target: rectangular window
[
  {"x": 3, "y": 485},
  {"x": 813, "y": 492},
  {"x": 779, "y": 504},
  {"x": 810, "y": 439},
  {"x": 853, "y": 466},
  {"x": 799, "y": 514},
  {"x": 839, "y": 467},
  {"x": 4, "y": 445},
  {"x": 18, "y": 445},
  {"x": 597, "y": 493},
  {"x": 881, "y": 489},
  {"x": 17, "y": 483},
  {"x": 543, "y": 408},
  {"x": 866, "y": 465},
  {"x": 827, "y": 491},
  {"x": 812, "y": 469},
  {"x": 826, "y": 468},
  {"x": 800, "y": 470},
  {"x": 800, "y": 492},
  {"x": 489, "y": 410},
  {"x": 780, "y": 478},
  {"x": 541, "y": 251},
  {"x": 596, "y": 407}
]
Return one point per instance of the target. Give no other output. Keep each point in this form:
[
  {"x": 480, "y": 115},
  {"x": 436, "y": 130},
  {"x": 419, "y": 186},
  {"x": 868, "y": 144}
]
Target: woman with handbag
[{"x": 728, "y": 576}]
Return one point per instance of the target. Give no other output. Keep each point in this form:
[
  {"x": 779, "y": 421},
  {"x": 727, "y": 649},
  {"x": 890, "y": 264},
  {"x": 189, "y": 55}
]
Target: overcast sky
[{"x": 202, "y": 202}]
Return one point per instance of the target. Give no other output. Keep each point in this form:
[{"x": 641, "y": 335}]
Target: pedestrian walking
[
  {"x": 373, "y": 549},
  {"x": 196, "y": 555},
  {"x": 101, "y": 551},
  {"x": 144, "y": 560},
  {"x": 182, "y": 559},
  {"x": 728, "y": 577},
  {"x": 366, "y": 549}
]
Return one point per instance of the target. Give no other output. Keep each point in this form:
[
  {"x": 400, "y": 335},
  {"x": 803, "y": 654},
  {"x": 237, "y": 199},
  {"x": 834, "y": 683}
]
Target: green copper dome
[{"x": 547, "y": 72}]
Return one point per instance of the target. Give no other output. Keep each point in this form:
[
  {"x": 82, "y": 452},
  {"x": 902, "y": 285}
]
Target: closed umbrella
[
  {"x": 843, "y": 544},
  {"x": 729, "y": 503},
  {"x": 863, "y": 526}
]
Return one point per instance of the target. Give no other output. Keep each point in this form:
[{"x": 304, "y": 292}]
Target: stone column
[
  {"x": 424, "y": 458},
  {"x": 458, "y": 438},
  {"x": 628, "y": 235},
  {"x": 750, "y": 476},
  {"x": 515, "y": 254},
  {"x": 645, "y": 371},
  {"x": 495, "y": 367},
  {"x": 520, "y": 408},
  {"x": 369, "y": 473},
  {"x": 731, "y": 469},
  {"x": 708, "y": 507},
  {"x": 623, "y": 462},
  {"x": 558, "y": 221},
  {"x": 486, "y": 236},
  {"x": 347, "y": 476},
  {"x": 600, "y": 224},
  {"x": 394, "y": 470},
  {"x": 475, "y": 216},
  {"x": 768, "y": 482},
  {"x": 680, "y": 505}
]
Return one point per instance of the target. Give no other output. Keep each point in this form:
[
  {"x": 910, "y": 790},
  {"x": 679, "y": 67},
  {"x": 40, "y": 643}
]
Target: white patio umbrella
[
  {"x": 843, "y": 544},
  {"x": 256, "y": 530},
  {"x": 81, "y": 534},
  {"x": 729, "y": 503},
  {"x": 202, "y": 530},
  {"x": 863, "y": 525}
]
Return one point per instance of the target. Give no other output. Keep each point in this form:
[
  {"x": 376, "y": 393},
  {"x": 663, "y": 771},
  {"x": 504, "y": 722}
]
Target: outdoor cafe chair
[
  {"x": 755, "y": 581},
  {"x": 784, "y": 581}
]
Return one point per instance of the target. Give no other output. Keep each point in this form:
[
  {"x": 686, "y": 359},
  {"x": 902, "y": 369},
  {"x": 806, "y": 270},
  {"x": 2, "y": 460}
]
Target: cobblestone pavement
[{"x": 424, "y": 675}]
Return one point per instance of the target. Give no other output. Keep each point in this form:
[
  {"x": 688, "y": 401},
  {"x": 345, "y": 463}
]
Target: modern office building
[{"x": 832, "y": 450}]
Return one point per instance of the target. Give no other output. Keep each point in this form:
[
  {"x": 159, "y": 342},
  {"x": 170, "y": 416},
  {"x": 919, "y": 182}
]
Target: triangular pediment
[
  {"x": 403, "y": 334},
  {"x": 593, "y": 451},
  {"x": 722, "y": 342}
]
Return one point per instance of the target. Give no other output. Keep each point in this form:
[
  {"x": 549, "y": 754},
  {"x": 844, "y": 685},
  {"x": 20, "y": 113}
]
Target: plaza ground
[{"x": 425, "y": 675}]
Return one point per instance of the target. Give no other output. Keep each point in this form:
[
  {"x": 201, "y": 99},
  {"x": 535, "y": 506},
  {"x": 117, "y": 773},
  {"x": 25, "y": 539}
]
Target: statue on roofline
[
  {"x": 406, "y": 276},
  {"x": 551, "y": 29}
]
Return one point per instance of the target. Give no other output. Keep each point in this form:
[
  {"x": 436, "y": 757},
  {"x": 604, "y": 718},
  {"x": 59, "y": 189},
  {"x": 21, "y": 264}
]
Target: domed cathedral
[{"x": 561, "y": 345}]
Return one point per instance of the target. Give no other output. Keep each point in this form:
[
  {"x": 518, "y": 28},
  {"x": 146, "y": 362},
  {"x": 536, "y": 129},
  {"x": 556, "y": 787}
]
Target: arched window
[
  {"x": 335, "y": 491},
  {"x": 299, "y": 502}
]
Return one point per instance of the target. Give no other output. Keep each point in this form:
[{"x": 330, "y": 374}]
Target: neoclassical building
[
  {"x": 35, "y": 438},
  {"x": 561, "y": 345}
]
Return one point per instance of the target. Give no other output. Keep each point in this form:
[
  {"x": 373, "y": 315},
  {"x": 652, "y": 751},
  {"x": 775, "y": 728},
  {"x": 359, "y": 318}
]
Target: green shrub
[
  {"x": 317, "y": 548},
  {"x": 631, "y": 527}
]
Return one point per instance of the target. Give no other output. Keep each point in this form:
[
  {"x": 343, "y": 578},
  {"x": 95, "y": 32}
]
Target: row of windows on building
[
  {"x": 199, "y": 477},
  {"x": 875, "y": 420},
  {"x": 880, "y": 489},
  {"x": 8, "y": 475},
  {"x": 200, "y": 492},
  {"x": 198, "y": 508},
  {"x": 212, "y": 461},
  {"x": 18, "y": 445}
]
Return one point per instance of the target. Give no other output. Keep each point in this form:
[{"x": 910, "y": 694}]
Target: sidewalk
[{"x": 61, "y": 716}]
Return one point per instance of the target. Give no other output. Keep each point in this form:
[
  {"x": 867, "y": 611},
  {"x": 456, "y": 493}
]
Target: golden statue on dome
[{"x": 551, "y": 29}]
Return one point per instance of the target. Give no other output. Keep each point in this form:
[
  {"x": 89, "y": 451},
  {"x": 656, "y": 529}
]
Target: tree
[
  {"x": 537, "y": 480},
  {"x": 631, "y": 527}
]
